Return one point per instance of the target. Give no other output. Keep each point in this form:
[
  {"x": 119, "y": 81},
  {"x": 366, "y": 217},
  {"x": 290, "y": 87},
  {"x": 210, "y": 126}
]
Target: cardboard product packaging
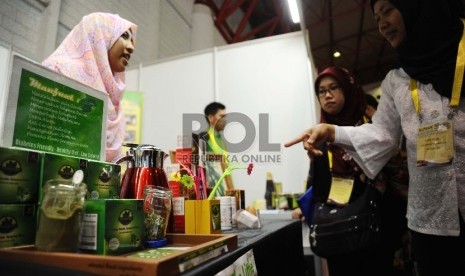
[
  {"x": 187, "y": 150},
  {"x": 184, "y": 155},
  {"x": 19, "y": 176},
  {"x": 202, "y": 216},
  {"x": 17, "y": 224},
  {"x": 103, "y": 180},
  {"x": 179, "y": 224},
  {"x": 112, "y": 226},
  {"x": 240, "y": 197},
  {"x": 58, "y": 168}
]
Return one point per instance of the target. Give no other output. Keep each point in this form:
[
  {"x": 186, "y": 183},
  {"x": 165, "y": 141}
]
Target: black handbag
[{"x": 343, "y": 230}]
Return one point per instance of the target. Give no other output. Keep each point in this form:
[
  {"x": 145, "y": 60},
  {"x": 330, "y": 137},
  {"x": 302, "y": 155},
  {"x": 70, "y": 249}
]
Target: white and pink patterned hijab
[{"x": 83, "y": 56}]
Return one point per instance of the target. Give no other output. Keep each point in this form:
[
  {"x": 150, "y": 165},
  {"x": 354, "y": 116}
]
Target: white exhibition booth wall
[{"x": 271, "y": 76}]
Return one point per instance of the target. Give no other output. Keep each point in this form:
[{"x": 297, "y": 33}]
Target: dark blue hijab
[{"x": 429, "y": 52}]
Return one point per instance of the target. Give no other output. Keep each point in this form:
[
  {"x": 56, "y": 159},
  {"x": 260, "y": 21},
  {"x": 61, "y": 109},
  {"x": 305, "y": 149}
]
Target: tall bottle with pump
[{"x": 269, "y": 190}]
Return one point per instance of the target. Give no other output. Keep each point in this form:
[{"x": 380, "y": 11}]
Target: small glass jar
[
  {"x": 60, "y": 216},
  {"x": 157, "y": 208}
]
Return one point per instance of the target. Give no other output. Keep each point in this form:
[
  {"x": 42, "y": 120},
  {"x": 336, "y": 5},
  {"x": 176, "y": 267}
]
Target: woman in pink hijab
[{"x": 96, "y": 53}]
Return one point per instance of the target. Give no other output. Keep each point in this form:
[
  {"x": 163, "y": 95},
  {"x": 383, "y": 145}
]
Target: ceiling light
[
  {"x": 336, "y": 54},
  {"x": 294, "y": 10}
]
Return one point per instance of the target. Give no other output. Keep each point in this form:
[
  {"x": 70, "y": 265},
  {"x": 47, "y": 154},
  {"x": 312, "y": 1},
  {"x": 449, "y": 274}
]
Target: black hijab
[{"x": 433, "y": 32}]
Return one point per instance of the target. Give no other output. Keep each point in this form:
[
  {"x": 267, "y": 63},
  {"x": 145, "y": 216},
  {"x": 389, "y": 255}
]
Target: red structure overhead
[
  {"x": 346, "y": 26},
  {"x": 266, "y": 18}
]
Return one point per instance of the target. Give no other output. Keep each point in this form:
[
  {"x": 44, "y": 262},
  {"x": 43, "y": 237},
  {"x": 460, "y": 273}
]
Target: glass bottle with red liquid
[{"x": 148, "y": 170}]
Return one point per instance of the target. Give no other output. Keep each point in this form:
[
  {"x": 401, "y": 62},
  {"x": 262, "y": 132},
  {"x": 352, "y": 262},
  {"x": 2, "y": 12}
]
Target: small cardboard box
[
  {"x": 202, "y": 216},
  {"x": 179, "y": 222},
  {"x": 103, "y": 180},
  {"x": 19, "y": 176},
  {"x": 184, "y": 156},
  {"x": 17, "y": 224},
  {"x": 60, "y": 167},
  {"x": 240, "y": 197},
  {"x": 112, "y": 226}
]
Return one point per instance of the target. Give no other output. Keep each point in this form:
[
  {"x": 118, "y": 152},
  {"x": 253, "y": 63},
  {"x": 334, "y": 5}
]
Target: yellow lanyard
[
  {"x": 330, "y": 154},
  {"x": 458, "y": 79},
  {"x": 214, "y": 144},
  {"x": 330, "y": 158},
  {"x": 414, "y": 94},
  {"x": 459, "y": 67}
]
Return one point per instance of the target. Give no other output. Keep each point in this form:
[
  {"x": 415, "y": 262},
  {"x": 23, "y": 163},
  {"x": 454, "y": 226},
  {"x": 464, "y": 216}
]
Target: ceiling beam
[
  {"x": 331, "y": 33},
  {"x": 359, "y": 36},
  {"x": 266, "y": 27},
  {"x": 245, "y": 20}
]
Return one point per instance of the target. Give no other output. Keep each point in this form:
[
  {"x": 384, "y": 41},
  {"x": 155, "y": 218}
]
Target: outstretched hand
[{"x": 313, "y": 138}]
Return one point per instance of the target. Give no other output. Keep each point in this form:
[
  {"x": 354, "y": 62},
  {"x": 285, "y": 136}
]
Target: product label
[
  {"x": 435, "y": 144},
  {"x": 56, "y": 118},
  {"x": 178, "y": 215},
  {"x": 103, "y": 180},
  {"x": 89, "y": 232}
]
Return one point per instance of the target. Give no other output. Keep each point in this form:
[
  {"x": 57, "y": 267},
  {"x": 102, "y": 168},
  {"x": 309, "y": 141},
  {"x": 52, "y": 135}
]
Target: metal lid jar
[{"x": 157, "y": 208}]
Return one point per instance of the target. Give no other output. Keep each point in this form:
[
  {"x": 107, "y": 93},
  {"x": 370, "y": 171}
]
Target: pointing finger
[{"x": 294, "y": 141}]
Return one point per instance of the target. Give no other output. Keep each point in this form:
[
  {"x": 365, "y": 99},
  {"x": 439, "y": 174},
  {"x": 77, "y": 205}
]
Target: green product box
[
  {"x": 19, "y": 176},
  {"x": 17, "y": 224},
  {"x": 103, "y": 180},
  {"x": 60, "y": 167},
  {"x": 112, "y": 226}
]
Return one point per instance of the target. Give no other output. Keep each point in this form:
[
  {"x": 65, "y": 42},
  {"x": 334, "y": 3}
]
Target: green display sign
[{"x": 56, "y": 118}]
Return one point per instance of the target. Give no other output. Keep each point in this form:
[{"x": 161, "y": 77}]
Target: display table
[{"x": 277, "y": 249}]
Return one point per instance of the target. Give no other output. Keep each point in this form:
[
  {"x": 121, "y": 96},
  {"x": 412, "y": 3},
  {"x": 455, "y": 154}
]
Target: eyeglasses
[{"x": 322, "y": 92}]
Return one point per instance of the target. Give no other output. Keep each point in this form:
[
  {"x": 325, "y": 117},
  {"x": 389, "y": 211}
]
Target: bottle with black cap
[{"x": 269, "y": 190}]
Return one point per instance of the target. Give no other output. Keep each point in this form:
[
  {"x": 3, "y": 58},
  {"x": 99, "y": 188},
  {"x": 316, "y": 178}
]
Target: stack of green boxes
[
  {"x": 111, "y": 226},
  {"x": 19, "y": 194}
]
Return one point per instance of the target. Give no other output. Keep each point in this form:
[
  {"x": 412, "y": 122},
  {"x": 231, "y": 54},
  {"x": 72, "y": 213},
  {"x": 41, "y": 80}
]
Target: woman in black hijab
[
  {"x": 429, "y": 54},
  {"x": 424, "y": 100},
  {"x": 433, "y": 32}
]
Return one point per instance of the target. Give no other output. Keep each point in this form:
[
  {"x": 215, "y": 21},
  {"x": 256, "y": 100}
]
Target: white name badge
[{"x": 435, "y": 144}]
